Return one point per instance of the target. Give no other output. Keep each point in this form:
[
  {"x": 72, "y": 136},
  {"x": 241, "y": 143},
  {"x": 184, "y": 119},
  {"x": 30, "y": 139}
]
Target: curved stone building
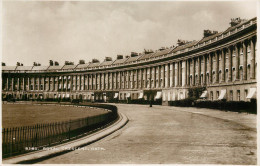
[{"x": 223, "y": 62}]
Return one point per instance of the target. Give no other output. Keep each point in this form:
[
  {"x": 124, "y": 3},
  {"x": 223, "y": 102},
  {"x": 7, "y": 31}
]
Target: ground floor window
[
  {"x": 238, "y": 95},
  {"x": 246, "y": 91},
  {"x": 231, "y": 95}
]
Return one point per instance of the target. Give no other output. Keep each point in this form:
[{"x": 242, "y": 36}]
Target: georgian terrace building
[{"x": 223, "y": 62}]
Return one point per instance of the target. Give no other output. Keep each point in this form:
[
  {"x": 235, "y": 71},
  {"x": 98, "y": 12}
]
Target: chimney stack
[{"x": 120, "y": 57}]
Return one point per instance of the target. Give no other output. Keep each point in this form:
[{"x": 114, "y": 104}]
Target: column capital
[
  {"x": 231, "y": 47},
  {"x": 245, "y": 42},
  {"x": 253, "y": 39},
  {"x": 223, "y": 50}
]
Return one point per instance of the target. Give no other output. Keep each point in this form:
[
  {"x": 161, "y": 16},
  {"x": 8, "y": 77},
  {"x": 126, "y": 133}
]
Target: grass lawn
[{"x": 16, "y": 115}]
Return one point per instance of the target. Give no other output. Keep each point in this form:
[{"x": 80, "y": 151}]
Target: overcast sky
[{"x": 40, "y": 31}]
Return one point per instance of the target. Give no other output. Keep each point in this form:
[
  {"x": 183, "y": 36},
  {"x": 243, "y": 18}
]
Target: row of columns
[{"x": 151, "y": 77}]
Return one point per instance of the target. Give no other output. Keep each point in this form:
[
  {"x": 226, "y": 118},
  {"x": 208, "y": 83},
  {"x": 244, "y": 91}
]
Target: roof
[
  {"x": 40, "y": 67},
  {"x": 82, "y": 66},
  {"x": 118, "y": 61},
  {"x": 106, "y": 63},
  {"x": 190, "y": 44},
  {"x": 209, "y": 37},
  {"x": 94, "y": 64},
  {"x": 8, "y": 67},
  {"x": 231, "y": 28},
  {"x": 130, "y": 59},
  {"x": 68, "y": 67},
  {"x": 163, "y": 52},
  {"x": 146, "y": 56},
  {"x": 54, "y": 68},
  {"x": 24, "y": 67}
]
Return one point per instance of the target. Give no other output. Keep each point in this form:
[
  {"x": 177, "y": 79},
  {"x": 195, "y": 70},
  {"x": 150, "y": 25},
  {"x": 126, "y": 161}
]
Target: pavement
[{"x": 172, "y": 135}]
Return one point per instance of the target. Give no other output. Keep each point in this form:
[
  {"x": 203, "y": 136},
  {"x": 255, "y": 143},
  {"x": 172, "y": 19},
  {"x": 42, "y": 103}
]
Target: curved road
[{"x": 172, "y": 135}]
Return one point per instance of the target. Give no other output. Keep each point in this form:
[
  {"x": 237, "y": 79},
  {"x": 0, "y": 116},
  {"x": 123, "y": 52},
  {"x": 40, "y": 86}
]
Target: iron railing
[{"x": 19, "y": 140}]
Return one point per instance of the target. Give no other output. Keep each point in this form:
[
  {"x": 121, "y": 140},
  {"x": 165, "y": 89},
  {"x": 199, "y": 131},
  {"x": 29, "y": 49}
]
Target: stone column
[
  {"x": 29, "y": 83},
  {"x": 173, "y": 74},
  {"x": 18, "y": 83},
  {"x": 97, "y": 81},
  {"x": 44, "y": 87},
  {"x": 210, "y": 68},
  {"x": 145, "y": 77},
  {"x": 168, "y": 76},
  {"x": 180, "y": 73},
  {"x": 199, "y": 70},
  {"x": 127, "y": 79},
  {"x": 205, "y": 70},
  {"x": 193, "y": 71},
  {"x": 12, "y": 80},
  {"x": 86, "y": 80},
  {"x": 159, "y": 76},
  {"x": 22, "y": 80},
  {"x": 252, "y": 67},
  {"x": 107, "y": 81},
  {"x": 112, "y": 80},
  {"x": 188, "y": 72},
  {"x": 39, "y": 82},
  {"x": 163, "y": 76},
  {"x": 63, "y": 83},
  {"x": 116, "y": 75},
  {"x": 217, "y": 66},
  {"x": 237, "y": 47},
  {"x": 150, "y": 77},
  {"x": 101, "y": 78},
  {"x": 177, "y": 74},
  {"x": 136, "y": 78},
  {"x": 245, "y": 60},
  {"x": 69, "y": 82},
  {"x": 131, "y": 82},
  {"x": 6, "y": 84},
  {"x": 141, "y": 78},
  {"x": 49, "y": 84},
  {"x": 92, "y": 81},
  {"x": 154, "y": 77},
  {"x": 230, "y": 64},
  {"x": 223, "y": 59},
  {"x": 53, "y": 83},
  {"x": 120, "y": 80}
]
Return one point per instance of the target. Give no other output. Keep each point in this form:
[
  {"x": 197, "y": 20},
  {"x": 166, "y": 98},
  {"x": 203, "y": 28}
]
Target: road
[{"x": 172, "y": 135}]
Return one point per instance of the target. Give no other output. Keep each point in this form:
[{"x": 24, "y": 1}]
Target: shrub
[
  {"x": 236, "y": 106},
  {"x": 195, "y": 92},
  {"x": 182, "y": 103}
]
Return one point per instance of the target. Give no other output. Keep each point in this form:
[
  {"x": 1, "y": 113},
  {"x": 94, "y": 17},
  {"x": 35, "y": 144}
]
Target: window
[
  {"x": 217, "y": 94},
  {"x": 231, "y": 95},
  {"x": 211, "y": 95},
  {"x": 246, "y": 91},
  {"x": 238, "y": 95}
]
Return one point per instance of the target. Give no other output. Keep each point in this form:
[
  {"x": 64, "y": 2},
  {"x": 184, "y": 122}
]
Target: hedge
[{"x": 236, "y": 106}]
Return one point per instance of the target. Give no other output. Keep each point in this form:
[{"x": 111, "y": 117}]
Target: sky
[{"x": 37, "y": 31}]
